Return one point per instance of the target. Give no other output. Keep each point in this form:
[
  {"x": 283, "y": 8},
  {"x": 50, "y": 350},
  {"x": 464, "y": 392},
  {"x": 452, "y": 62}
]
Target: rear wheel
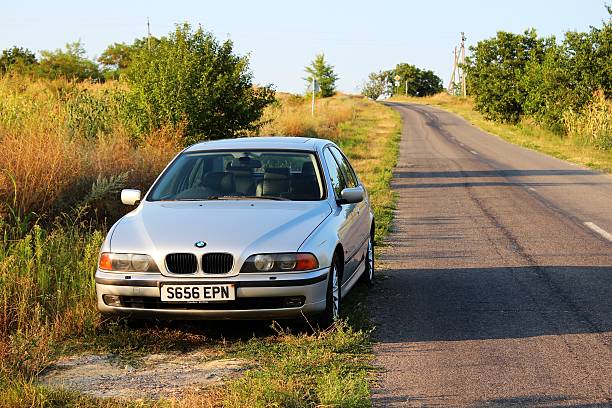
[{"x": 332, "y": 304}]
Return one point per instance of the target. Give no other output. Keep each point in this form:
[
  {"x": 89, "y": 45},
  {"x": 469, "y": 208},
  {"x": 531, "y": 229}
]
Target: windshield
[{"x": 253, "y": 174}]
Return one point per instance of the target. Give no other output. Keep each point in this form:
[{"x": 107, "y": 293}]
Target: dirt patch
[{"x": 152, "y": 376}]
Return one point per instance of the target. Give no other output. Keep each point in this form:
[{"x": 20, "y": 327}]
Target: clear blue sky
[{"x": 281, "y": 37}]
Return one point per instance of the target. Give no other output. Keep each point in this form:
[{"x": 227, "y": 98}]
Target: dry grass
[
  {"x": 292, "y": 116},
  {"x": 49, "y": 166},
  {"x": 529, "y": 134},
  {"x": 47, "y": 293}
]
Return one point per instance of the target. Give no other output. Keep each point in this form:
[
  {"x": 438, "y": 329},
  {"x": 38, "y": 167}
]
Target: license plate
[{"x": 197, "y": 293}]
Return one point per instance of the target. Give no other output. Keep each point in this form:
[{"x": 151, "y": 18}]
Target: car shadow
[
  {"x": 410, "y": 305},
  {"x": 492, "y": 173}
]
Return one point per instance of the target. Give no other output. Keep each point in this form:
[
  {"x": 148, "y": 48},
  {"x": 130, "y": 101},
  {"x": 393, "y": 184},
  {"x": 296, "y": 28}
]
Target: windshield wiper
[
  {"x": 266, "y": 197},
  {"x": 232, "y": 197}
]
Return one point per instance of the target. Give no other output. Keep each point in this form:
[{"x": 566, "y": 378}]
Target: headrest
[
  {"x": 234, "y": 168},
  {"x": 220, "y": 181},
  {"x": 275, "y": 173},
  {"x": 308, "y": 168}
]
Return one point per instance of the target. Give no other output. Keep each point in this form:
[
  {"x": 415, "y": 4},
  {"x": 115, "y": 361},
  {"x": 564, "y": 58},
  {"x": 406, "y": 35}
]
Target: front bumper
[{"x": 258, "y": 296}]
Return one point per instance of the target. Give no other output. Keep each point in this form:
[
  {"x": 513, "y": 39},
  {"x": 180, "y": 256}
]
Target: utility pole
[
  {"x": 456, "y": 85},
  {"x": 451, "y": 83},
  {"x": 406, "y": 88},
  {"x": 463, "y": 90},
  {"x": 148, "y": 34}
]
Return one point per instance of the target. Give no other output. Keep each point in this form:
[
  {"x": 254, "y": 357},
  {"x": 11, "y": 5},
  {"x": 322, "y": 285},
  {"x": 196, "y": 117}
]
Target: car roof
[{"x": 263, "y": 142}]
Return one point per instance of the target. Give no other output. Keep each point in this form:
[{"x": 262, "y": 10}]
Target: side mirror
[
  {"x": 130, "y": 197},
  {"x": 352, "y": 195}
]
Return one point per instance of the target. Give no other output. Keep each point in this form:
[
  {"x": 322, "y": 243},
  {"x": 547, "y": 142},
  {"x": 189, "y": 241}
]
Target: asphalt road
[{"x": 496, "y": 286}]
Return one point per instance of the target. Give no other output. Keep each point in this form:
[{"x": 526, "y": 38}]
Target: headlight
[
  {"x": 280, "y": 262},
  {"x": 110, "y": 261}
]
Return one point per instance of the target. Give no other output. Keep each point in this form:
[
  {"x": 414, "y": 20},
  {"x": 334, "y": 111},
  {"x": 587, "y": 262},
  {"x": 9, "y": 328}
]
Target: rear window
[{"x": 270, "y": 174}]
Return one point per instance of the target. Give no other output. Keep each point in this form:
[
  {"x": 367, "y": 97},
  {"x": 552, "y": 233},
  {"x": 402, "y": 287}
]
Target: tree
[
  {"x": 324, "y": 74},
  {"x": 116, "y": 56},
  {"x": 70, "y": 63},
  {"x": 16, "y": 58},
  {"x": 415, "y": 81},
  {"x": 495, "y": 70},
  {"x": 192, "y": 79},
  {"x": 375, "y": 86},
  {"x": 568, "y": 76}
]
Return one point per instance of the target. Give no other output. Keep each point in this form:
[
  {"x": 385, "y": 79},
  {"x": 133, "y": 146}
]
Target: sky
[{"x": 281, "y": 37}]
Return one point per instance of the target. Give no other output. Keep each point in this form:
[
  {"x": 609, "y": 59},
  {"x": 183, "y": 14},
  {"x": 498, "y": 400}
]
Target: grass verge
[
  {"x": 526, "y": 133},
  {"x": 48, "y": 308}
]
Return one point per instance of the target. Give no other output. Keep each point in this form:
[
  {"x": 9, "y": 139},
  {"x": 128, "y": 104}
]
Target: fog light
[
  {"x": 294, "y": 301},
  {"x": 112, "y": 300}
]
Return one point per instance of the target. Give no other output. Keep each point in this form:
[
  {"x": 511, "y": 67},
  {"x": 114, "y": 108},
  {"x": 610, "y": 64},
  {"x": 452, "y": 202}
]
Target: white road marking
[
  {"x": 473, "y": 152},
  {"x": 599, "y": 230}
]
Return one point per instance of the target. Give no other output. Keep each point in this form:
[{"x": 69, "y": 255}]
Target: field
[
  {"x": 573, "y": 147},
  {"x": 64, "y": 157}
]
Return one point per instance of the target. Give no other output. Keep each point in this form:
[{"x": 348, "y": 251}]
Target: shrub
[
  {"x": 375, "y": 86},
  {"x": 191, "y": 78},
  {"x": 495, "y": 70},
  {"x": 70, "y": 63}
]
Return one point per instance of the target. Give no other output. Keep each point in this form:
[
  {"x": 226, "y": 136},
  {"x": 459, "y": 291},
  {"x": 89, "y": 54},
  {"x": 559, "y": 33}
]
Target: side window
[
  {"x": 337, "y": 179},
  {"x": 345, "y": 168}
]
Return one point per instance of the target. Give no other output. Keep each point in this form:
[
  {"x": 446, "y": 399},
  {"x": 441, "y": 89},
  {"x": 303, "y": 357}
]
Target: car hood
[{"x": 238, "y": 227}]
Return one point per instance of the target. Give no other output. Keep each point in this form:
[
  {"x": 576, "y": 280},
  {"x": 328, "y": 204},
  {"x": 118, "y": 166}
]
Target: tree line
[
  {"x": 187, "y": 79},
  {"x": 511, "y": 76},
  {"x": 404, "y": 79}
]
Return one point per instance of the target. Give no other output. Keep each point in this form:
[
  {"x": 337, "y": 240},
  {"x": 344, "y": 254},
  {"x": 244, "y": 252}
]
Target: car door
[
  {"x": 348, "y": 226},
  {"x": 362, "y": 227}
]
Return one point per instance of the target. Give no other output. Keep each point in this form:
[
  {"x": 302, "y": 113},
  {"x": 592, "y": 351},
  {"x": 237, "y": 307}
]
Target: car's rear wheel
[
  {"x": 368, "y": 275},
  {"x": 332, "y": 303}
]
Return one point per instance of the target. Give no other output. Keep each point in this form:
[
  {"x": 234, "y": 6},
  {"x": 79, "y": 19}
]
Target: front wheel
[
  {"x": 368, "y": 275},
  {"x": 332, "y": 304}
]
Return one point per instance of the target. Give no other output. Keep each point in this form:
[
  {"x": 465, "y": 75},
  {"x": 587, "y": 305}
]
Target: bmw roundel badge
[{"x": 200, "y": 244}]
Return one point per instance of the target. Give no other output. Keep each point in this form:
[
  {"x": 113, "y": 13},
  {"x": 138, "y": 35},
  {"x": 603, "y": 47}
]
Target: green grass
[
  {"x": 525, "y": 133},
  {"x": 47, "y": 302}
]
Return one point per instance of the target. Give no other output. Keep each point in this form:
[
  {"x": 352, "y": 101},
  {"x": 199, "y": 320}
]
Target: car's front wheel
[{"x": 332, "y": 303}]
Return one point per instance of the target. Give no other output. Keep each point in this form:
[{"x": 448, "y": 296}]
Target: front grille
[
  {"x": 217, "y": 263},
  {"x": 181, "y": 263}
]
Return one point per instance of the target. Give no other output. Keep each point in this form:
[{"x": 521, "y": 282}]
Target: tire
[
  {"x": 367, "y": 276},
  {"x": 332, "y": 303}
]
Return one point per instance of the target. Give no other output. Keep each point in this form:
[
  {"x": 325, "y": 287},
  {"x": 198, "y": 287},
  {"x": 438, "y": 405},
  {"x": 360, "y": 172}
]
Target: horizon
[{"x": 280, "y": 43}]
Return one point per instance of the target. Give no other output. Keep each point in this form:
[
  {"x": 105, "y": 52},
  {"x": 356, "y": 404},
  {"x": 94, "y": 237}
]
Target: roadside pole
[
  {"x": 314, "y": 82},
  {"x": 315, "y": 89}
]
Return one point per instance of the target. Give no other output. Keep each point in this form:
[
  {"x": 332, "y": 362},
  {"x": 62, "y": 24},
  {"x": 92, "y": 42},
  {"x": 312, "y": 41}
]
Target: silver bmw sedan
[{"x": 251, "y": 228}]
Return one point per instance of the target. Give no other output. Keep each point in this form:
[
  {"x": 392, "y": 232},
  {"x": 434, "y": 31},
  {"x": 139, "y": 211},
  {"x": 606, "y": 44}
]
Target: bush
[
  {"x": 70, "y": 63},
  {"x": 495, "y": 70},
  {"x": 375, "y": 86},
  {"x": 512, "y": 75},
  {"x": 191, "y": 78}
]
